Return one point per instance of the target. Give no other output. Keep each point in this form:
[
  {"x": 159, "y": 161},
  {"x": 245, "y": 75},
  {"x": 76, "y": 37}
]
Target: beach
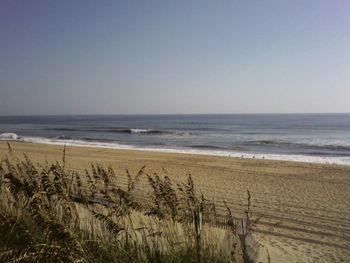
[{"x": 303, "y": 207}]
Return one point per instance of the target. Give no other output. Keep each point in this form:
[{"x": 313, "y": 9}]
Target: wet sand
[{"x": 303, "y": 208}]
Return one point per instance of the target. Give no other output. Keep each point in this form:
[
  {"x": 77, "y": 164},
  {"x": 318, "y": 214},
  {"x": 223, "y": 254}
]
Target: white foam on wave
[
  {"x": 80, "y": 143},
  {"x": 279, "y": 157},
  {"x": 317, "y": 143},
  {"x": 344, "y": 160},
  {"x": 140, "y": 130},
  {"x": 8, "y": 136}
]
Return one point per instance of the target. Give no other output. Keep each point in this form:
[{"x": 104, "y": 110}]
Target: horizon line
[{"x": 169, "y": 114}]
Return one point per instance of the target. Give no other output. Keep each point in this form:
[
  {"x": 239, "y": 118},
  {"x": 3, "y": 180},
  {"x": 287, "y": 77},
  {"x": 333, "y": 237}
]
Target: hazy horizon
[
  {"x": 179, "y": 57},
  {"x": 174, "y": 114}
]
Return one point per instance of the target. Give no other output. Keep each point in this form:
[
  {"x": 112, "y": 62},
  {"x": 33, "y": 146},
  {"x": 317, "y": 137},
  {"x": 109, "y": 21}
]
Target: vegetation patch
[{"x": 51, "y": 214}]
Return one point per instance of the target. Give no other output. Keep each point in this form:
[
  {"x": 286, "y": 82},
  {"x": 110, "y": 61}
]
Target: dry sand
[{"x": 304, "y": 208}]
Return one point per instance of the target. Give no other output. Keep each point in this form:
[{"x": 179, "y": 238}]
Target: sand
[{"x": 303, "y": 208}]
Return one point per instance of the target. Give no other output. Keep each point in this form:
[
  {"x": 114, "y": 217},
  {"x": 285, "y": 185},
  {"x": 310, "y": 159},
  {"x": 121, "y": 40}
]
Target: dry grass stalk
[{"x": 49, "y": 213}]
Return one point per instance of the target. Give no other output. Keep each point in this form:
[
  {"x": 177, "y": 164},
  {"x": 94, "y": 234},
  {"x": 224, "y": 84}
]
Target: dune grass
[{"x": 51, "y": 214}]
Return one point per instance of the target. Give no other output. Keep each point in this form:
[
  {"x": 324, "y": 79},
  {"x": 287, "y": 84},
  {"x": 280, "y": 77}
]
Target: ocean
[{"x": 321, "y": 138}]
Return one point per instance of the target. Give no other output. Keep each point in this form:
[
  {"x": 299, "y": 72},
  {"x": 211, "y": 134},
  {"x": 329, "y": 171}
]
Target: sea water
[{"x": 323, "y": 138}]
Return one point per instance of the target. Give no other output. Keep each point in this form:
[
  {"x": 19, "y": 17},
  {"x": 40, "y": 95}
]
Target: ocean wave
[
  {"x": 141, "y": 131},
  {"x": 149, "y": 131},
  {"x": 89, "y": 139},
  {"x": 8, "y": 136},
  {"x": 201, "y": 149},
  {"x": 313, "y": 145},
  {"x": 63, "y": 137},
  {"x": 217, "y": 148},
  {"x": 124, "y": 130},
  {"x": 83, "y": 142}
]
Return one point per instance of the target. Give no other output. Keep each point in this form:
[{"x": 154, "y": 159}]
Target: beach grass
[{"x": 53, "y": 214}]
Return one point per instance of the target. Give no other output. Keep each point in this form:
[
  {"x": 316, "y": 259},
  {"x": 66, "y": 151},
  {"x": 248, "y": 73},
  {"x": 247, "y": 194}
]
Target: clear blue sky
[{"x": 120, "y": 57}]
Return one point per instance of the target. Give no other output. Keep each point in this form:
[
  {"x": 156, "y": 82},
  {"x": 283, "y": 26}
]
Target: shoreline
[{"x": 331, "y": 160}]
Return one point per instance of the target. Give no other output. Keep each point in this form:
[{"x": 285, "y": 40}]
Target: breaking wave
[
  {"x": 124, "y": 130},
  {"x": 203, "y": 149},
  {"x": 8, "y": 136},
  {"x": 313, "y": 145}
]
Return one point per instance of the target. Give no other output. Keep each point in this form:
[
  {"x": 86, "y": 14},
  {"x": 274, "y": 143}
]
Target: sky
[{"x": 163, "y": 57}]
